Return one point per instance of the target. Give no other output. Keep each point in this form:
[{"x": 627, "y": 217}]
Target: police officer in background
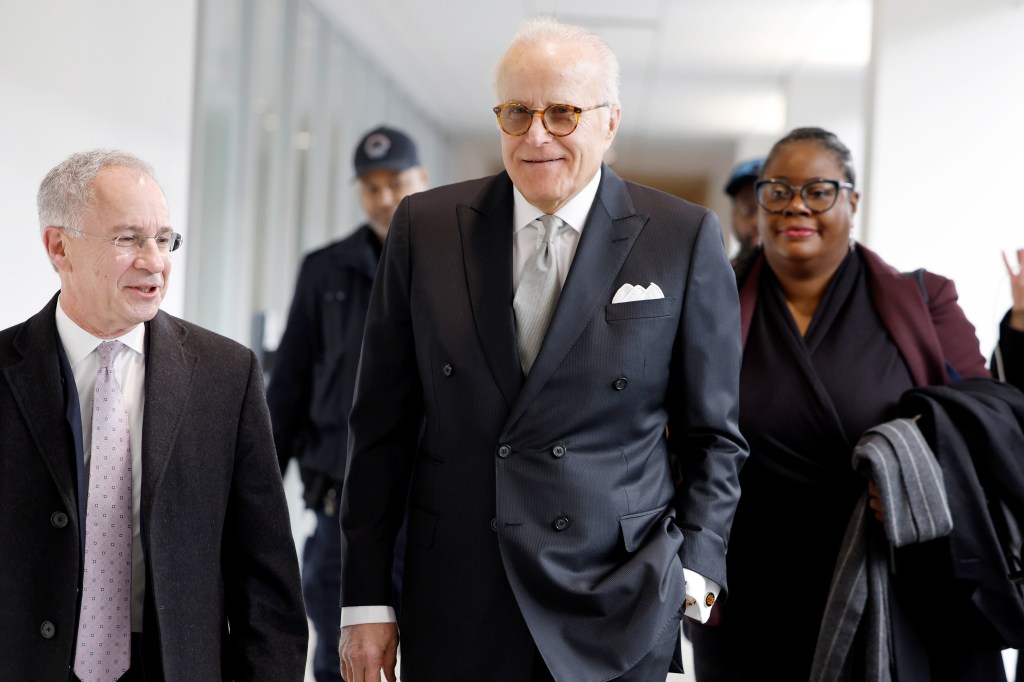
[
  {"x": 740, "y": 189},
  {"x": 314, "y": 370}
]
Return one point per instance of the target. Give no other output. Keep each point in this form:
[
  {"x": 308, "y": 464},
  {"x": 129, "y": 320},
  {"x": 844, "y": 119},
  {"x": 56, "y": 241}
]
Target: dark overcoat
[{"x": 222, "y": 584}]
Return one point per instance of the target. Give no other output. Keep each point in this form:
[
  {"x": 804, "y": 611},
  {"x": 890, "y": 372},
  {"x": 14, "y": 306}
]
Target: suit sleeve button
[
  {"x": 58, "y": 519},
  {"x": 561, "y": 523},
  {"x": 621, "y": 383},
  {"x": 446, "y": 369},
  {"x": 494, "y": 525},
  {"x": 47, "y": 629},
  {"x": 504, "y": 451},
  {"x": 558, "y": 450}
]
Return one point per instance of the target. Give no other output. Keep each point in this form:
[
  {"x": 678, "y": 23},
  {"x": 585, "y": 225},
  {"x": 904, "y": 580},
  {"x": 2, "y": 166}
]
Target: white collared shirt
[
  {"x": 130, "y": 372},
  {"x": 525, "y": 241}
]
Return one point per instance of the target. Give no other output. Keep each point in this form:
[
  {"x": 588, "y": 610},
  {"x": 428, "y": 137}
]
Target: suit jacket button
[
  {"x": 504, "y": 451},
  {"x": 561, "y": 523},
  {"x": 558, "y": 450},
  {"x": 620, "y": 383},
  {"x": 58, "y": 519},
  {"x": 446, "y": 369},
  {"x": 494, "y": 527},
  {"x": 47, "y": 629}
]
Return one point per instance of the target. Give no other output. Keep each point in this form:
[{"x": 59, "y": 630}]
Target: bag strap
[
  {"x": 919, "y": 276},
  {"x": 954, "y": 376}
]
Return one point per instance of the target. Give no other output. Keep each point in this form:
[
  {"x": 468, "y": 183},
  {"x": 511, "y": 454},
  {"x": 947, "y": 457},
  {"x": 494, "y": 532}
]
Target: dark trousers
[
  {"x": 321, "y": 588},
  {"x": 652, "y": 667}
]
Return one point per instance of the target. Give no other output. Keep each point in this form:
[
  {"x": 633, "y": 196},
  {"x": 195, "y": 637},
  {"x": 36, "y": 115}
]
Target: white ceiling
[{"x": 690, "y": 68}]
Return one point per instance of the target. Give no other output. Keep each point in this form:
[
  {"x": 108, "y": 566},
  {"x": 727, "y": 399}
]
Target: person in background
[
  {"x": 740, "y": 189},
  {"x": 314, "y": 369},
  {"x": 833, "y": 337},
  {"x": 143, "y": 527},
  {"x": 530, "y": 337},
  {"x": 1008, "y": 361}
]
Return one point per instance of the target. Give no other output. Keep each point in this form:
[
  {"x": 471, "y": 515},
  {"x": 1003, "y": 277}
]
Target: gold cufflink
[{"x": 709, "y": 600}]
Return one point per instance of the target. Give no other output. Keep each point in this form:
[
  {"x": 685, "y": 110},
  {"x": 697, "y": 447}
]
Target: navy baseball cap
[
  {"x": 748, "y": 171},
  {"x": 385, "y": 148}
]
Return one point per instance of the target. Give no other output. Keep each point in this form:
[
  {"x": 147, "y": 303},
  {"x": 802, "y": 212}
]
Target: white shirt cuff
[
  {"x": 359, "y": 615},
  {"x": 701, "y": 595}
]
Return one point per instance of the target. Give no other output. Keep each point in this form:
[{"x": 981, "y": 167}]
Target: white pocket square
[{"x": 635, "y": 292}]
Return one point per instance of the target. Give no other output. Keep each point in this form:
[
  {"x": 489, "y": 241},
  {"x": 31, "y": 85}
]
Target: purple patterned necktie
[{"x": 104, "y": 631}]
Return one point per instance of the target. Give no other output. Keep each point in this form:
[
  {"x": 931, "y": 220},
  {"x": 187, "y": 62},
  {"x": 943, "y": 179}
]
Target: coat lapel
[
  {"x": 901, "y": 305},
  {"x": 169, "y": 371},
  {"x": 610, "y": 232},
  {"x": 40, "y": 393},
  {"x": 363, "y": 259},
  {"x": 486, "y": 230}
]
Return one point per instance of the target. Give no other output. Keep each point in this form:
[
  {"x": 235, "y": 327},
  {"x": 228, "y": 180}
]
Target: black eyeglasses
[
  {"x": 817, "y": 195},
  {"x": 558, "y": 119},
  {"x": 131, "y": 242}
]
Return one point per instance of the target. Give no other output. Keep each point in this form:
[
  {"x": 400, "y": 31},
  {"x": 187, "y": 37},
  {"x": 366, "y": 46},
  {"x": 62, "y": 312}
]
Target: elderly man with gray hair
[{"x": 544, "y": 348}]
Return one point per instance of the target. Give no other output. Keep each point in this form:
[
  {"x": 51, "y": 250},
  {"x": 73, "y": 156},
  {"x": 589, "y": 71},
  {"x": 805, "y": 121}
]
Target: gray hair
[
  {"x": 66, "y": 190},
  {"x": 540, "y": 29}
]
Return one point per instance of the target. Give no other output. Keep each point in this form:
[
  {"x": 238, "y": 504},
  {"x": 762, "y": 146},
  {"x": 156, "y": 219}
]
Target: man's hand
[
  {"x": 366, "y": 650},
  {"x": 1017, "y": 289}
]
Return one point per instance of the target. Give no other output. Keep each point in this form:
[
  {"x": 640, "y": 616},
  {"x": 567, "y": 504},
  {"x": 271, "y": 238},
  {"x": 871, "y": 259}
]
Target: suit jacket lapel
[
  {"x": 486, "y": 230},
  {"x": 610, "y": 233},
  {"x": 41, "y": 395},
  {"x": 169, "y": 370}
]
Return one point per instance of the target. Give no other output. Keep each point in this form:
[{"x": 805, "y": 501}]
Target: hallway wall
[{"x": 79, "y": 75}]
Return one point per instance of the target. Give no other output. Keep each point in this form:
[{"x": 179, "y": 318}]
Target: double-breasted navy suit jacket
[
  {"x": 543, "y": 507},
  {"x": 223, "y": 599}
]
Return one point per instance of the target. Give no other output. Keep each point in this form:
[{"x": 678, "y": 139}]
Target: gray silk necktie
[
  {"x": 105, "y": 625},
  {"x": 538, "y": 291}
]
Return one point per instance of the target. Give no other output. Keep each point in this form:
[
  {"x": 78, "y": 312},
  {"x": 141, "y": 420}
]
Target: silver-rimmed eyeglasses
[
  {"x": 133, "y": 242},
  {"x": 818, "y": 195},
  {"x": 515, "y": 118}
]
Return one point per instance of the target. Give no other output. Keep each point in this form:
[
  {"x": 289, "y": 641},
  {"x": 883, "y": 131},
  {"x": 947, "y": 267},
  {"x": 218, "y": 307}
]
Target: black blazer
[
  {"x": 314, "y": 370},
  {"x": 215, "y": 531},
  {"x": 543, "y": 510}
]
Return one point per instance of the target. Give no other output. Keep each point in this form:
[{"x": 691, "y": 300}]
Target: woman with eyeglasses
[{"x": 833, "y": 336}]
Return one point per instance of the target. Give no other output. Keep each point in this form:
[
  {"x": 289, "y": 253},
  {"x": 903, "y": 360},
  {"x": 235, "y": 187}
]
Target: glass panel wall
[{"x": 282, "y": 97}]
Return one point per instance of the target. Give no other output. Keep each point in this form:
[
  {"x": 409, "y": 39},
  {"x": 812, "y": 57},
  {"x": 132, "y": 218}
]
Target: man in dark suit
[
  {"x": 314, "y": 369},
  {"x": 143, "y": 526},
  {"x": 547, "y": 537}
]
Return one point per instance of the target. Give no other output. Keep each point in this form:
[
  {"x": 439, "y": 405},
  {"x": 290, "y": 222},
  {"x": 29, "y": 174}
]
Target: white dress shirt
[
  {"x": 526, "y": 237},
  {"x": 130, "y": 372},
  {"x": 524, "y": 246}
]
